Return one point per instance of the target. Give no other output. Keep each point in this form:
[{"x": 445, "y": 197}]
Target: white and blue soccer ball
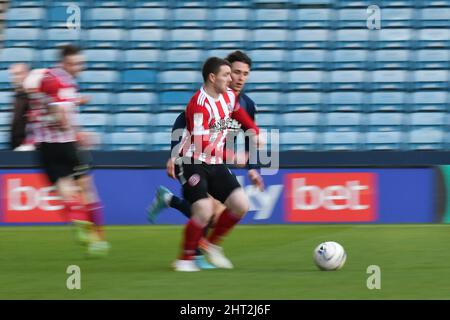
[{"x": 329, "y": 256}]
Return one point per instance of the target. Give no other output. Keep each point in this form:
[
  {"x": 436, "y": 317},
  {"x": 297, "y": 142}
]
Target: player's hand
[
  {"x": 256, "y": 179},
  {"x": 87, "y": 139},
  {"x": 83, "y": 100},
  {"x": 170, "y": 167}
]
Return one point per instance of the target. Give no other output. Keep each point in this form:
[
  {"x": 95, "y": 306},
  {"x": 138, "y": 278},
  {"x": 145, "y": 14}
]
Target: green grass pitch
[{"x": 271, "y": 262}]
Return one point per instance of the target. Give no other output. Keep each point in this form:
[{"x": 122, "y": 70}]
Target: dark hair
[
  {"x": 212, "y": 65},
  {"x": 68, "y": 50},
  {"x": 240, "y": 57}
]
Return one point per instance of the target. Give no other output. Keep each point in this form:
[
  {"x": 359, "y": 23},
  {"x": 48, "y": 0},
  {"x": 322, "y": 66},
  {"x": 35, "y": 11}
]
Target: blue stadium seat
[
  {"x": 174, "y": 100},
  {"x": 351, "y": 39},
  {"x": 102, "y": 59},
  {"x": 99, "y": 80},
  {"x": 136, "y": 101},
  {"x": 352, "y": 18},
  {"x": 59, "y": 37},
  {"x": 99, "y": 102},
  {"x": 230, "y": 18},
  {"x": 312, "y": 18},
  {"x": 232, "y": 3},
  {"x": 433, "y": 3},
  {"x": 341, "y": 140},
  {"x": 228, "y": 38},
  {"x": 22, "y": 37},
  {"x": 305, "y": 80},
  {"x": 307, "y": 59},
  {"x": 60, "y": 15},
  {"x": 145, "y": 38},
  {"x": 386, "y": 121},
  {"x": 345, "y": 101},
  {"x": 313, "y": 2},
  {"x": 391, "y": 59},
  {"x": 5, "y": 121},
  {"x": 141, "y": 59},
  {"x": 189, "y": 18},
  {"x": 138, "y": 80},
  {"x": 305, "y": 139},
  {"x": 267, "y": 120},
  {"x": 26, "y": 3},
  {"x": 190, "y": 4},
  {"x": 265, "y": 80},
  {"x": 396, "y": 3},
  {"x": 6, "y": 99},
  {"x": 107, "y": 17},
  {"x": 180, "y": 80},
  {"x": 431, "y": 79},
  {"x": 160, "y": 140},
  {"x": 93, "y": 122},
  {"x": 299, "y": 119},
  {"x": 265, "y": 101},
  {"x": 165, "y": 119},
  {"x": 188, "y": 38},
  {"x": 270, "y": 18},
  {"x": 343, "y": 121},
  {"x": 302, "y": 101},
  {"x": 390, "y": 80},
  {"x": 4, "y": 80},
  {"x": 149, "y": 4},
  {"x": 428, "y": 138},
  {"x": 347, "y": 80},
  {"x": 434, "y": 38},
  {"x": 393, "y": 38},
  {"x": 352, "y": 3},
  {"x": 432, "y": 59},
  {"x": 388, "y": 101},
  {"x": 398, "y": 18},
  {"x": 14, "y": 55},
  {"x": 268, "y": 38},
  {"x": 128, "y": 141},
  {"x": 105, "y": 38},
  {"x": 384, "y": 140},
  {"x": 4, "y": 140},
  {"x": 309, "y": 39},
  {"x": 431, "y": 119},
  {"x": 149, "y": 18},
  {"x": 190, "y": 59},
  {"x": 349, "y": 59},
  {"x": 131, "y": 122},
  {"x": 24, "y": 17},
  {"x": 429, "y": 101},
  {"x": 268, "y": 59},
  {"x": 48, "y": 57},
  {"x": 434, "y": 17}
]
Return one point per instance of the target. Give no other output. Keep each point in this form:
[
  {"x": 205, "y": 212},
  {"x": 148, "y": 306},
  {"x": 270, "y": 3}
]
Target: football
[{"x": 329, "y": 256}]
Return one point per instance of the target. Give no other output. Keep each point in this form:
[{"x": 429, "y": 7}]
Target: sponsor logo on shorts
[{"x": 194, "y": 180}]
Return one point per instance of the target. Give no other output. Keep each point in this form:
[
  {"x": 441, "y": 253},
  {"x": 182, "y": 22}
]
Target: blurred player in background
[
  {"x": 240, "y": 71},
  {"x": 60, "y": 148},
  {"x": 201, "y": 169}
]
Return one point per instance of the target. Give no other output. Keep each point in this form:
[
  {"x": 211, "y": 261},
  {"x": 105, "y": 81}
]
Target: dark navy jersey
[{"x": 246, "y": 103}]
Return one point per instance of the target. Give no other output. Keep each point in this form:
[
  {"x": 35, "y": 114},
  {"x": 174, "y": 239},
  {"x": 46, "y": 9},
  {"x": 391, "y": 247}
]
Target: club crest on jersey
[
  {"x": 194, "y": 180},
  {"x": 224, "y": 124}
]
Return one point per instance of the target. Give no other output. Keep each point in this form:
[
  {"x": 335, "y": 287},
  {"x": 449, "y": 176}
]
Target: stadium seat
[
  {"x": 264, "y": 80},
  {"x": 343, "y": 121},
  {"x": 6, "y": 99},
  {"x": 231, "y": 4},
  {"x": 434, "y": 17},
  {"x": 429, "y": 101},
  {"x": 299, "y": 119},
  {"x": 180, "y": 80},
  {"x": 265, "y": 100},
  {"x": 161, "y": 139},
  {"x": 429, "y": 138},
  {"x": 349, "y": 59},
  {"x": 189, "y": 18},
  {"x": 434, "y": 38},
  {"x": 270, "y": 18},
  {"x": 228, "y": 38},
  {"x": 24, "y": 17},
  {"x": 99, "y": 80},
  {"x": 26, "y": 3},
  {"x": 431, "y": 79},
  {"x": 432, "y": 59},
  {"x": 4, "y": 140},
  {"x": 347, "y": 80},
  {"x": 141, "y": 59},
  {"x": 131, "y": 122},
  {"x": 145, "y": 38},
  {"x": 351, "y": 39},
  {"x": 391, "y": 59},
  {"x": 386, "y": 121},
  {"x": 397, "y": 18},
  {"x": 341, "y": 140},
  {"x": 141, "y": 4},
  {"x": 138, "y": 80},
  {"x": 99, "y": 101},
  {"x": 104, "y": 39},
  {"x": 189, "y": 4},
  {"x": 5, "y": 121},
  {"x": 22, "y": 37},
  {"x": 312, "y": 18},
  {"x": 390, "y": 80},
  {"x": 345, "y": 101},
  {"x": 102, "y": 59},
  {"x": 432, "y": 119},
  {"x": 165, "y": 119},
  {"x": 61, "y": 15},
  {"x": 299, "y": 140},
  {"x": 188, "y": 38},
  {"x": 309, "y": 39},
  {"x": 352, "y": 3},
  {"x": 48, "y": 57},
  {"x": 268, "y": 39},
  {"x": 108, "y": 3},
  {"x": 307, "y": 59},
  {"x": 59, "y": 37},
  {"x": 4, "y": 80},
  {"x": 174, "y": 100},
  {"x": 384, "y": 140},
  {"x": 149, "y": 18},
  {"x": 302, "y": 101},
  {"x": 268, "y": 59},
  {"x": 184, "y": 59},
  {"x": 267, "y": 120},
  {"x": 107, "y": 17},
  {"x": 396, "y": 3},
  {"x": 230, "y": 18},
  {"x": 387, "y": 101},
  {"x": 393, "y": 38},
  {"x": 9, "y": 56},
  {"x": 305, "y": 80},
  {"x": 127, "y": 141},
  {"x": 136, "y": 102},
  {"x": 433, "y": 3},
  {"x": 351, "y": 18},
  {"x": 93, "y": 122}
]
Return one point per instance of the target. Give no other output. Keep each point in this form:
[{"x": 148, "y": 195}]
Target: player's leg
[{"x": 165, "y": 198}]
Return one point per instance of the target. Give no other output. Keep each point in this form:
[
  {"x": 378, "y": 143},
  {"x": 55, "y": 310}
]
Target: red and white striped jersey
[
  {"x": 208, "y": 121},
  {"x": 57, "y": 89}
]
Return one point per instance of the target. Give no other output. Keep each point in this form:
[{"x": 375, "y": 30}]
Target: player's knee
[{"x": 238, "y": 202}]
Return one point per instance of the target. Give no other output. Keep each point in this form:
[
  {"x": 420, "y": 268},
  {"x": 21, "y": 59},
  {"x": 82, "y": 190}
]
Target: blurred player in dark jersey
[
  {"x": 60, "y": 143},
  {"x": 240, "y": 71}
]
